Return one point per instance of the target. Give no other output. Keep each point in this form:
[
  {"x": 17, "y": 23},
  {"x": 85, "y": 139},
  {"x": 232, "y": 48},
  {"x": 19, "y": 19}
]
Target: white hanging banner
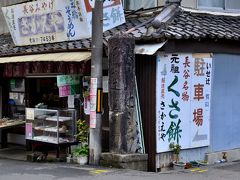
[
  {"x": 183, "y": 100},
  {"x": 93, "y": 102}
]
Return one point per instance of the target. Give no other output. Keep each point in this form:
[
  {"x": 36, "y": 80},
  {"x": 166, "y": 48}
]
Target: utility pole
[{"x": 95, "y": 144}]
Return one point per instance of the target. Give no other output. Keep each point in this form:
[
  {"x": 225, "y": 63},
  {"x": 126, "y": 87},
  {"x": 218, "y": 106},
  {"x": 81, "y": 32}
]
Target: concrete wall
[
  {"x": 17, "y": 139},
  {"x": 225, "y": 115},
  {"x": 163, "y": 159},
  {"x": 137, "y": 4},
  {"x": 189, "y": 3},
  {"x": 185, "y": 3},
  {"x": 225, "y": 105}
]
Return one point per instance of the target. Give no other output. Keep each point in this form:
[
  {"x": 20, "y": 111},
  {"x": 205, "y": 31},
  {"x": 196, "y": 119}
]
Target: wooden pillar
[{"x": 121, "y": 93}]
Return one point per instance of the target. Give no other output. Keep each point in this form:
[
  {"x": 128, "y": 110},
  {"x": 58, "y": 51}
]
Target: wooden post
[{"x": 121, "y": 93}]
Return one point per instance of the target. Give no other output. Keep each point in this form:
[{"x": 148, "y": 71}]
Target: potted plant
[
  {"x": 69, "y": 158},
  {"x": 81, "y": 153},
  {"x": 82, "y": 150},
  {"x": 175, "y": 148}
]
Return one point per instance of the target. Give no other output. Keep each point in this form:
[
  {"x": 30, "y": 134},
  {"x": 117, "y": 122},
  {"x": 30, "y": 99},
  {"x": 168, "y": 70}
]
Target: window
[
  {"x": 211, "y": 3},
  {"x": 233, "y": 4},
  {"x": 137, "y": 4},
  {"x": 219, "y": 4}
]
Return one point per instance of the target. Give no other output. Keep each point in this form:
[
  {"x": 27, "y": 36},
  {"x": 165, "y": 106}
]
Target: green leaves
[
  {"x": 82, "y": 131},
  {"x": 81, "y": 150},
  {"x": 175, "y": 148},
  {"x": 82, "y": 136}
]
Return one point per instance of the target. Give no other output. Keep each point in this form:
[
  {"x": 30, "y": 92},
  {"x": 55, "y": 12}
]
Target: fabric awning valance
[{"x": 55, "y": 57}]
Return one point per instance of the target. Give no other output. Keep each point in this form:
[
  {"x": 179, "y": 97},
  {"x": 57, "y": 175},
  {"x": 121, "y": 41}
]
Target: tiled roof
[
  {"x": 7, "y": 47},
  {"x": 183, "y": 25},
  {"x": 197, "y": 25}
]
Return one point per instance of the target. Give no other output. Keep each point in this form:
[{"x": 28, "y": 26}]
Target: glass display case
[{"x": 51, "y": 126}]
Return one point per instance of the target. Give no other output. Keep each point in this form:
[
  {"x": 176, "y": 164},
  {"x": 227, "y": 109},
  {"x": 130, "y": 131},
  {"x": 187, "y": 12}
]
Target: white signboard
[
  {"x": 48, "y": 21},
  {"x": 113, "y": 13},
  {"x": 183, "y": 100},
  {"x": 29, "y": 113},
  {"x": 71, "y": 101}
]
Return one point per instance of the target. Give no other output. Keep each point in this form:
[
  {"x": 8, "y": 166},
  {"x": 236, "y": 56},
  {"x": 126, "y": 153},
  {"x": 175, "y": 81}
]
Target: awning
[
  {"x": 148, "y": 49},
  {"x": 66, "y": 57}
]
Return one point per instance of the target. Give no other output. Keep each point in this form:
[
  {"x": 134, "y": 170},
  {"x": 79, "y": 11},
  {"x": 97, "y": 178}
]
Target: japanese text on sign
[
  {"x": 183, "y": 100},
  {"x": 63, "y": 80},
  {"x": 47, "y": 21}
]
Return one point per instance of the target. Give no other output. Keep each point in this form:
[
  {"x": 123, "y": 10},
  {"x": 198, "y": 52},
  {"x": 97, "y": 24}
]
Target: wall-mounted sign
[
  {"x": 67, "y": 90},
  {"x": 48, "y": 21},
  {"x": 28, "y": 133},
  {"x": 63, "y": 80},
  {"x": 29, "y": 113},
  {"x": 68, "y": 85},
  {"x": 183, "y": 100},
  {"x": 64, "y": 91}
]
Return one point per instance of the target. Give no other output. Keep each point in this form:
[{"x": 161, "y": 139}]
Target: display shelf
[
  {"x": 40, "y": 128},
  {"x": 50, "y": 129},
  {"x": 51, "y": 126},
  {"x": 50, "y": 139},
  {"x": 41, "y": 117},
  {"x": 60, "y": 118}
]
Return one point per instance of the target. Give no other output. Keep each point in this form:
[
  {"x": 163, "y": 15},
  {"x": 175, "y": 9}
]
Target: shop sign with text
[
  {"x": 68, "y": 85},
  {"x": 48, "y": 21},
  {"x": 183, "y": 100}
]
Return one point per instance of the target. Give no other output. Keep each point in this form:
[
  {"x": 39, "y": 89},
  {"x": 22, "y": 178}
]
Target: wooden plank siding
[
  {"x": 203, "y": 46},
  {"x": 146, "y": 79}
]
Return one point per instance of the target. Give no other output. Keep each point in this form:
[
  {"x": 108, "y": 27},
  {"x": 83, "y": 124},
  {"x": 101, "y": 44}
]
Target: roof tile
[{"x": 183, "y": 25}]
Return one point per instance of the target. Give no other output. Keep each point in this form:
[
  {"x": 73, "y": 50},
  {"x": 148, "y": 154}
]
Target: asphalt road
[{"x": 19, "y": 170}]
